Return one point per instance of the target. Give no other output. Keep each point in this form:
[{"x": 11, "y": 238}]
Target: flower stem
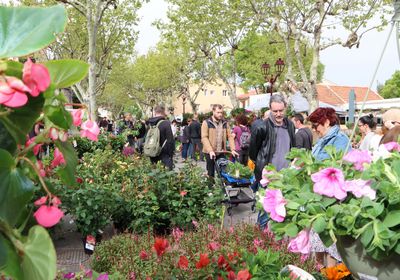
[
  {"x": 38, "y": 173},
  {"x": 76, "y": 105}
]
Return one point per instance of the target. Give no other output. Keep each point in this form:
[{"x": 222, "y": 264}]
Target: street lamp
[
  {"x": 271, "y": 78},
  {"x": 183, "y": 103},
  {"x": 152, "y": 103}
]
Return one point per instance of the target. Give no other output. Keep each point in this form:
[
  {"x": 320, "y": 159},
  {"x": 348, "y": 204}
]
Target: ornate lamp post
[
  {"x": 271, "y": 78},
  {"x": 183, "y": 103}
]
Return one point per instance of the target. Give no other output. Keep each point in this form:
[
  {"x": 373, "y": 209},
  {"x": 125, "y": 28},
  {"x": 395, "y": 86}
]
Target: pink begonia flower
[
  {"x": 329, "y": 182},
  {"x": 63, "y": 136},
  {"x": 90, "y": 130},
  {"x": 274, "y": 204},
  {"x": 39, "y": 165},
  {"x": 392, "y": 146},
  {"x": 77, "y": 117},
  {"x": 13, "y": 92},
  {"x": 53, "y": 133},
  {"x": 48, "y": 216},
  {"x": 301, "y": 243},
  {"x": 55, "y": 201},
  {"x": 40, "y": 201},
  {"x": 358, "y": 158},
  {"x": 360, "y": 188},
  {"x": 58, "y": 158},
  {"x": 36, "y": 77},
  {"x": 265, "y": 181},
  {"x": 36, "y": 148}
]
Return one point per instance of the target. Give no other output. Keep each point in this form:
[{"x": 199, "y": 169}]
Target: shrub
[
  {"x": 210, "y": 252},
  {"x": 115, "y": 142}
]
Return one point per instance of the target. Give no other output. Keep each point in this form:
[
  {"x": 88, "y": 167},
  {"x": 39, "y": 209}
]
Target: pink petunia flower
[
  {"x": 392, "y": 146},
  {"x": 90, "y": 130},
  {"x": 358, "y": 158},
  {"x": 360, "y": 188},
  {"x": 13, "y": 92},
  {"x": 265, "y": 181},
  {"x": 274, "y": 204},
  {"x": 36, "y": 77},
  {"x": 58, "y": 158},
  {"x": 48, "y": 216},
  {"x": 301, "y": 243},
  {"x": 77, "y": 117},
  {"x": 329, "y": 182}
]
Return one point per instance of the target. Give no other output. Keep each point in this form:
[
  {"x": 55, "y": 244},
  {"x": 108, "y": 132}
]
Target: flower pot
[{"x": 363, "y": 266}]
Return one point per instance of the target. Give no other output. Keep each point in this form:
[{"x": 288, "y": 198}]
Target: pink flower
[
  {"x": 244, "y": 275},
  {"x": 213, "y": 246},
  {"x": 58, "y": 158},
  {"x": 195, "y": 223},
  {"x": 36, "y": 77},
  {"x": 274, "y": 204},
  {"x": 177, "y": 234},
  {"x": 183, "y": 193},
  {"x": 63, "y": 136},
  {"x": 392, "y": 146},
  {"x": 360, "y": 188},
  {"x": 53, "y": 133},
  {"x": 143, "y": 255},
  {"x": 13, "y": 92},
  {"x": 77, "y": 117},
  {"x": 88, "y": 273},
  {"x": 265, "y": 181},
  {"x": 103, "y": 276},
  {"x": 210, "y": 227},
  {"x": 329, "y": 182},
  {"x": 257, "y": 242},
  {"x": 69, "y": 275},
  {"x": 39, "y": 165},
  {"x": 48, "y": 216},
  {"x": 90, "y": 130},
  {"x": 36, "y": 148},
  {"x": 40, "y": 201},
  {"x": 55, "y": 201},
  {"x": 301, "y": 243},
  {"x": 358, "y": 158}
]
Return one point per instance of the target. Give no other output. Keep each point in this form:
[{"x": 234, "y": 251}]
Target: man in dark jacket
[
  {"x": 304, "y": 137},
  {"x": 194, "y": 130},
  {"x": 166, "y": 137},
  {"x": 272, "y": 139}
]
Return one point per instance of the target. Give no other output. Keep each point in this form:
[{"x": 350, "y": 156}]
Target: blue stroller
[{"x": 234, "y": 188}]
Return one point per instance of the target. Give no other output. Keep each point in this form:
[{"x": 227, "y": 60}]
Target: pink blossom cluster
[
  {"x": 35, "y": 79},
  {"x": 48, "y": 215},
  {"x": 89, "y": 128}
]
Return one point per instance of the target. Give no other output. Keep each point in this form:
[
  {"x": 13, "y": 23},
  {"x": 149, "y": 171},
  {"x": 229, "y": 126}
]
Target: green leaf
[
  {"x": 14, "y": 69},
  {"x": 39, "y": 261},
  {"x": 292, "y": 230},
  {"x": 25, "y": 30},
  {"x": 67, "y": 173},
  {"x": 59, "y": 116},
  {"x": 7, "y": 161},
  {"x": 20, "y": 122},
  {"x": 292, "y": 205},
  {"x": 16, "y": 191},
  {"x": 319, "y": 225},
  {"x": 6, "y": 140},
  {"x": 392, "y": 219},
  {"x": 67, "y": 72},
  {"x": 9, "y": 260},
  {"x": 367, "y": 235}
]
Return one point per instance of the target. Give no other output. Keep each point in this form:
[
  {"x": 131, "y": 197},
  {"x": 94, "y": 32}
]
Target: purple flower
[
  {"x": 274, "y": 204},
  {"x": 329, "y": 182},
  {"x": 392, "y": 146},
  {"x": 360, "y": 188},
  {"x": 358, "y": 158},
  {"x": 88, "y": 273},
  {"x": 301, "y": 243},
  {"x": 128, "y": 151},
  {"x": 69, "y": 275},
  {"x": 103, "y": 276}
]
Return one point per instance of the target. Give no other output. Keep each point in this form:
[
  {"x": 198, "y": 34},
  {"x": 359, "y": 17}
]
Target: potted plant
[{"x": 352, "y": 200}]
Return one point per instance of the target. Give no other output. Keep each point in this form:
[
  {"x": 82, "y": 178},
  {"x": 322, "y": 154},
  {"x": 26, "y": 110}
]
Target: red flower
[
  {"x": 183, "y": 262},
  {"x": 160, "y": 245},
  {"x": 231, "y": 275},
  {"x": 143, "y": 255},
  {"x": 220, "y": 277},
  {"x": 79, "y": 180},
  {"x": 36, "y": 77},
  {"x": 244, "y": 275},
  {"x": 58, "y": 158},
  {"x": 203, "y": 261}
]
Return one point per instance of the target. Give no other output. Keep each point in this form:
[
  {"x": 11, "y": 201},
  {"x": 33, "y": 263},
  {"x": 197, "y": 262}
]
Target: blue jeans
[{"x": 185, "y": 148}]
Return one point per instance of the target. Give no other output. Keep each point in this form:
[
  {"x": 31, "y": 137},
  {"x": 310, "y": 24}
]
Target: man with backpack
[
  {"x": 242, "y": 134},
  {"x": 215, "y": 131},
  {"x": 160, "y": 143}
]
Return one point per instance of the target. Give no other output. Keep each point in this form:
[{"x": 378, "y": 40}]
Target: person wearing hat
[{"x": 391, "y": 120}]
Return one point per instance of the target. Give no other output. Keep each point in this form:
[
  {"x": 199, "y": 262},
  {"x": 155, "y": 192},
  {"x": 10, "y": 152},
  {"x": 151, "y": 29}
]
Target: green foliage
[
  {"x": 375, "y": 221},
  {"x": 27, "y": 30},
  {"x": 237, "y": 111},
  {"x": 241, "y": 248},
  {"x": 238, "y": 170},
  {"x": 391, "y": 88},
  {"x": 105, "y": 141},
  {"x": 67, "y": 72}
]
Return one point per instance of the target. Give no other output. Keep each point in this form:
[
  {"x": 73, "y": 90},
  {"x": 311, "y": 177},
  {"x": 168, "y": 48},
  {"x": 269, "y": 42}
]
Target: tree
[
  {"x": 108, "y": 36},
  {"x": 391, "y": 88},
  {"x": 257, "y": 48},
  {"x": 308, "y": 21},
  {"x": 214, "y": 31}
]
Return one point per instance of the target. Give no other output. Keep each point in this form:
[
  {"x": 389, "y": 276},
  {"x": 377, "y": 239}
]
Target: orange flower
[{"x": 336, "y": 272}]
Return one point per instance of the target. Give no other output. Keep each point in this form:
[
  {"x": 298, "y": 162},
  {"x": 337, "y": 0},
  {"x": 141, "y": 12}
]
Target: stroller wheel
[{"x": 253, "y": 208}]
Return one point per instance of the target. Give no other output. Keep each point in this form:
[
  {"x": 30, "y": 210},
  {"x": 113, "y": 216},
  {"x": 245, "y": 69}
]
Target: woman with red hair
[{"x": 326, "y": 123}]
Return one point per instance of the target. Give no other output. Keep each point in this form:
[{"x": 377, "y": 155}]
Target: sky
[{"x": 343, "y": 66}]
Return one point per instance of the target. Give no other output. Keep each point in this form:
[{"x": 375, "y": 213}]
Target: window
[
  {"x": 205, "y": 92},
  {"x": 224, "y": 92},
  {"x": 212, "y": 92}
]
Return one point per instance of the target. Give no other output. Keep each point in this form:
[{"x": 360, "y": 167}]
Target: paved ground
[{"x": 69, "y": 245}]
